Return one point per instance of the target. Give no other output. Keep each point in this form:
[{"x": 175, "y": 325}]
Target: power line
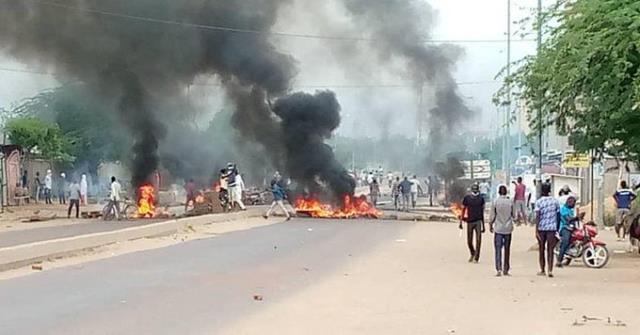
[{"x": 256, "y": 32}]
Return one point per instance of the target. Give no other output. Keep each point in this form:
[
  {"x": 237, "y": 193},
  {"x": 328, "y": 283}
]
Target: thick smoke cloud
[
  {"x": 142, "y": 64},
  {"x": 399, "y": 29},
  {"x": 139, "y": 64},
  {"x": 307, "y": 121}
]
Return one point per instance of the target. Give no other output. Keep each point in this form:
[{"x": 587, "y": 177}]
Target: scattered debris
[
  {"x": 401, "y": 240},
  {"x": 577, "y": 324},
  {"x": 451, "y": 331},
  {"x": 37, "y": 218},
  {"x": 587, "y": 318},
  {"x": 306, "y": 269},
  {"x": 257, "y": 297},
  {"x": 566, "y": 309},
  {"x": 37, "y": 267}
]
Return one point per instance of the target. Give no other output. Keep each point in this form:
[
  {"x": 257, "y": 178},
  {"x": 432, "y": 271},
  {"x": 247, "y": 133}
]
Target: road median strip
[{"x": 20, "y": 255}]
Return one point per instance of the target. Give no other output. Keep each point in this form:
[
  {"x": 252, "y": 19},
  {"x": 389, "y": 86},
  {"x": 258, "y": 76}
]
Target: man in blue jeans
[{"x": 568, "y": 222}]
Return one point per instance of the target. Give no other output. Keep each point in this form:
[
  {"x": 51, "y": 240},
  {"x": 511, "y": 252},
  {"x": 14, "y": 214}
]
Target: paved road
[
  {"x": 190, "y": 288},
  {"x": 18, "y": 237}
]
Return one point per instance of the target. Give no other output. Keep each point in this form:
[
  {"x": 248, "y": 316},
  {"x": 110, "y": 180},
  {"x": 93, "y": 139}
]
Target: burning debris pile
[
  {"x": 146, "y": 201},
  {"x": 352, "y": 207}
]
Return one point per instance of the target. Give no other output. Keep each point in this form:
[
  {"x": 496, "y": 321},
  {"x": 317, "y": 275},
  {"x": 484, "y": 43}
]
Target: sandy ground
[
  {"x": 190, "y": 234},
  {"x": 13, "y": 216},
  {"x": 422, "y": 284}
]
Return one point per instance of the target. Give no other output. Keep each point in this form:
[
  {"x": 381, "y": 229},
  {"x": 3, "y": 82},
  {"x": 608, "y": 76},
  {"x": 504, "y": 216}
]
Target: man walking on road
[
  {"x": 74, "y": 198},
  {"x": 547, "y": 209},
  {"x": 395, "y": 192},
  {"x": 115, "y": 196},
  {"x": 623, "y": 197},
  {"x": 415, "y": 187},
  {"x": 62, "y": 189},
  {"x": 374, "y": 192},
  {"x": 501, "y": 224},
  {"x": 473, "y": 213},
  {"x": 520, "y": 201},
  {"x": 405, "y": 190},
  {"x": 48, "y": 186},
  {"x": 278, "y": 199}
]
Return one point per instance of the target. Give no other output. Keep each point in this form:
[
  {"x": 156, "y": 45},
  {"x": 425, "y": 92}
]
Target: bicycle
[{"x": 128, "y": 210}]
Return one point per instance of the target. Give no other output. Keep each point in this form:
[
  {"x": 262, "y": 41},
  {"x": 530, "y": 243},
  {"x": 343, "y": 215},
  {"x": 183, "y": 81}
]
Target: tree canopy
[
  {"x": 586, "y": 77},
  {"x": 37, "y": 136}
]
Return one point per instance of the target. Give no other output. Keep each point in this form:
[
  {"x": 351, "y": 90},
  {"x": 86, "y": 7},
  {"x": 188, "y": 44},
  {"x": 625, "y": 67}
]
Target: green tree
[
  {"x": 586, "y": 77},
  {"x": 37, "y": 136}
]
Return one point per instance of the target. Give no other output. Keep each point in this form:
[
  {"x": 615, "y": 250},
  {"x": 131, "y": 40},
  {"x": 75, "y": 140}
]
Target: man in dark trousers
[{"x": 473, "y": 214}]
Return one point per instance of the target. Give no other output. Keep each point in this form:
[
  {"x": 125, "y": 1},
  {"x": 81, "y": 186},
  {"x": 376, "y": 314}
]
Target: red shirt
[{"x": 521, "y": 189}]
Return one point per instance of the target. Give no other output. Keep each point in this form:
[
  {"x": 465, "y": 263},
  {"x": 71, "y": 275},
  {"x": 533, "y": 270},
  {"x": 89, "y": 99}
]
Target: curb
[{"x": 20, "y": 255}]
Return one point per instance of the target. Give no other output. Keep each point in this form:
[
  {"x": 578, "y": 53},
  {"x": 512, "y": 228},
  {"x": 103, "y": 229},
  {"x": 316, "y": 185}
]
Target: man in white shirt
[
  {"x": 48, "y": 185},
  {"x": 415, "y": 186},
  {"x": 116, "y": 188}
]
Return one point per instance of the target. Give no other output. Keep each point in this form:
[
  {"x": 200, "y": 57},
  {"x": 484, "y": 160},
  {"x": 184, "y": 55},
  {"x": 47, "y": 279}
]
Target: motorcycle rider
[{"x": 568, "y": 222}]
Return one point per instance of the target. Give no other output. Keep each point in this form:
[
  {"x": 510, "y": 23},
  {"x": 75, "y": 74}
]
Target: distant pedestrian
[
  {"x": 405, "y": 191},
  {"x": 374, "y": 191},
  {"x": 37, "y": 186},
  {"x": 547, "y": 210},
  {"x": 48, "y": 186},
  {"x": 520, "y": 201},
  {"x": 623, "y": 198},
  {"x": 485, "y": 190},
  {"x": 25, "y": 180},
  {"x": 74, "y": 198},
  {"x": 564, "y": 194},
  {"x": 84, "y": 187},
  {"x": 473, "y": 212},
  {"x": 390, "y": 179},
  {"x": 395, "y": 192},
  {"x": 431, "y": 187},
  {"x": 501, "y": 224},
  {"x": 236, "y": 186},
  {"x": 190, "y": 191},
  {"x": 278, "y": 200},
  {"x": 62, "y": 189},
  {"x": 416, "y": 187},
  {"x": 114, "y": 196}
]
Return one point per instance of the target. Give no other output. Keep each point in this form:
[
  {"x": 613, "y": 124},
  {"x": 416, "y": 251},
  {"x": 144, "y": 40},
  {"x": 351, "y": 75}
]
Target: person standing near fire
[
  {"x": 190, "y": 191},
  {"x": 62, "y": 189},
  {"x": 395, "y": 192},
  {"x": 84, "y": 186},
  {"x": 37, "y": 187},
  {"x": 116, "y": 188},
  {"x": 278, "y": 193},
  {"x": 374, "y": 191},
  {"x": 74, "y": 198},
  {"x": 415, "y": 188},
  {"x": 235, "y": 184},
  {"x": 48, "y": 186},
  {"x": 473, "y": 213},
  {"x": 405, "y": 190}
]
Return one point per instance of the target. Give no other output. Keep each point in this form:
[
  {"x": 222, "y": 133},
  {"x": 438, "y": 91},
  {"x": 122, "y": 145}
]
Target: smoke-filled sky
[{"x": 395, "y": 106}]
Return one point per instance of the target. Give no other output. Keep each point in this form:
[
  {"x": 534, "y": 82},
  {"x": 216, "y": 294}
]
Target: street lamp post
[{"x": 539, "y": 111}]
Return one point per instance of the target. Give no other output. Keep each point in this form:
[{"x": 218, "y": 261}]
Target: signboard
[
  {"x": 577, "y": 161},
  {"x": 481, "y": 169}
]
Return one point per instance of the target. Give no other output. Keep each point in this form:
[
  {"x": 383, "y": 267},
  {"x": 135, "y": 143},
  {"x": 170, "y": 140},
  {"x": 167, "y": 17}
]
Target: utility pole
[
  {"x": 539, "y": 111},
  {"x": 508, "y": 106}
]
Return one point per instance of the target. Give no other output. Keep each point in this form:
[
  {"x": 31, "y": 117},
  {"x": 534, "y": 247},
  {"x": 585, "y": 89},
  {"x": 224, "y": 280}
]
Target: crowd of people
[{"x": 556, "y": 217}]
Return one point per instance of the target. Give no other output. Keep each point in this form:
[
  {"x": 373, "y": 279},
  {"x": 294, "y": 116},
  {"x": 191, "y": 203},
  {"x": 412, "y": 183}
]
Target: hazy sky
[{"x": 457, "y": 20}]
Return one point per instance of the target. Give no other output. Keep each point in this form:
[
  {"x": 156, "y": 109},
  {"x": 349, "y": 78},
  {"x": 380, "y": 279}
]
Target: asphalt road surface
[{"x": 324, "y": 277}]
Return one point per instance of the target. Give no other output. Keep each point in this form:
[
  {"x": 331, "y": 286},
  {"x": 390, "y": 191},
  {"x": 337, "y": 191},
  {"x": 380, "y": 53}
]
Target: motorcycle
[{"x": 594, "y": 253}]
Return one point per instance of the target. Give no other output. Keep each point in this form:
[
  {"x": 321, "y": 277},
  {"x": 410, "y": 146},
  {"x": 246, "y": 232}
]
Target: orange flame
[
  {"x": 352, "y": 207},
  {"x": 457, "y": 209},
  {"x": 199, "y": 199},
  {"x": 146, "y": 201}
]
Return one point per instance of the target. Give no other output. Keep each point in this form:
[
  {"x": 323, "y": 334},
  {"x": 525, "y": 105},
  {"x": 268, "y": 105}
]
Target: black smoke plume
[
  {"x": 307, "y": 121},
  {"x": 141, "y": 54},
  {"x": 400, "y": 29}
]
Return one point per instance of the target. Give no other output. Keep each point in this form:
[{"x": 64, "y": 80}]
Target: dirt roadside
[{"x": 422, "y": 284}]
